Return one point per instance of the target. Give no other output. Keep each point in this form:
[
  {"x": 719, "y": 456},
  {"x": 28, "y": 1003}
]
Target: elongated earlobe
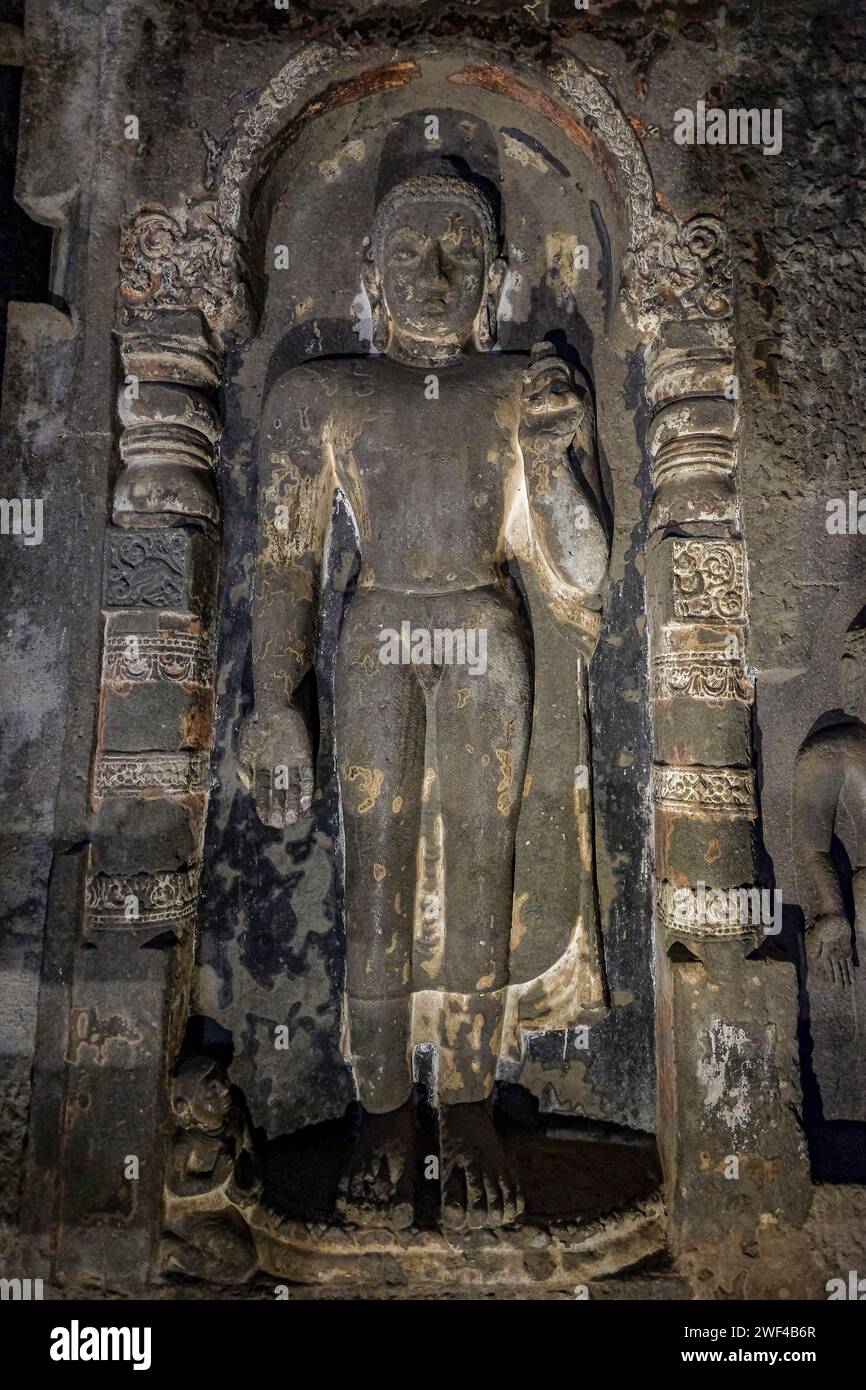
[
  {"x": 487, "y": 322},
  {"x": 381, "y": 325}
]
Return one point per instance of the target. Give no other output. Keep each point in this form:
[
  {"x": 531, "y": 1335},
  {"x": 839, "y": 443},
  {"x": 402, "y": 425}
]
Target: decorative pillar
[
  {"x": 170, "y": 428},
  {"x": 149, "y": 787},
  {"x": 726, "y": 1018}
]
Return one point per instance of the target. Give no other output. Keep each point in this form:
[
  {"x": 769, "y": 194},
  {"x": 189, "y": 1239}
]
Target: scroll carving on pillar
[
  {"x": 141, "y": 900},
  {"x": 706, "y": 674},
  {"x": 708, "y": 581},
  {"x": 182, "y": 261},
  {"x": 722, "y": 789}
]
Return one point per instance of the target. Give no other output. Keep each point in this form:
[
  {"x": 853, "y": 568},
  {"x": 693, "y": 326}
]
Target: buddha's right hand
[{"x": 276, "y": 764}]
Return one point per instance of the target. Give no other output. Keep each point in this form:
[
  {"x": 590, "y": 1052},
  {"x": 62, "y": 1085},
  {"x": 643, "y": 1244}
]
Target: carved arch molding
[{"x": 188, "y": 294}]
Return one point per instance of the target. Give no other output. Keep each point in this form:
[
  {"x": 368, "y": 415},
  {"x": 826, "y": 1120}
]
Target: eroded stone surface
[{"x": 709, "y": 345}]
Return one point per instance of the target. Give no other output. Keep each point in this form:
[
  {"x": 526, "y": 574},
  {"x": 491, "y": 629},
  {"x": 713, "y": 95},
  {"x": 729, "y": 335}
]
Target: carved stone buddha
[{"x": 468, "y": 474}]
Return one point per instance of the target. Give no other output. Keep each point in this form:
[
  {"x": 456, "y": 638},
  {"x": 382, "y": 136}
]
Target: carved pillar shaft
[
  {"x": 703, "y": 786},
  {"x": 726, "y": 1031},
  {"x": 170, "y": 428},
  {"x": 149, "y": 795}
]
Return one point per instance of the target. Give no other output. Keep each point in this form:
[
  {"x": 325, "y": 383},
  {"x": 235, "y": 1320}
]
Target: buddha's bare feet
[
  {"x": 479, "y": 1185},
  {"x": 379, "y": 1184}
]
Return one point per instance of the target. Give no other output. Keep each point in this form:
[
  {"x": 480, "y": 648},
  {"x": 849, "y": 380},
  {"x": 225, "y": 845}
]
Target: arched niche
[
  {"x": 313, "y": 174},
  {"x": 560, "y": 94},
  {"x": 214, "y": 244}
]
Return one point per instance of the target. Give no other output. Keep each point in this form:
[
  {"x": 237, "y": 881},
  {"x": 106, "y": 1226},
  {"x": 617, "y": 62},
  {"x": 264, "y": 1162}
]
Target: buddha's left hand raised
[{"x": 552, "y": 408}]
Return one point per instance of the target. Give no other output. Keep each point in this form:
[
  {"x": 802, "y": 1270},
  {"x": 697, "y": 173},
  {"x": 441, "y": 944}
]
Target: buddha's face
[{"x": 433, "y": 270}]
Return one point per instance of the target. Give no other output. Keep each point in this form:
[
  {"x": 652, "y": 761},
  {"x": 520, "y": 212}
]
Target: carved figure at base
[{"x": 212, "y": 1176}]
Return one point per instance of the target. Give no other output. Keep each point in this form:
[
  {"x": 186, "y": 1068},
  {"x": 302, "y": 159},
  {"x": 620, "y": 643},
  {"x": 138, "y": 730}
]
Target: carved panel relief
[{"x": 428, "y": 985}]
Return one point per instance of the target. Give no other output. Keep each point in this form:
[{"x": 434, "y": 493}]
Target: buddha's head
[{"x": 434, "y": 276}]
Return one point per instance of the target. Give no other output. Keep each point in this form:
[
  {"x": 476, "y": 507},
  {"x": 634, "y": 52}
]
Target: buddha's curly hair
[{"x": 446, "y": 188}]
